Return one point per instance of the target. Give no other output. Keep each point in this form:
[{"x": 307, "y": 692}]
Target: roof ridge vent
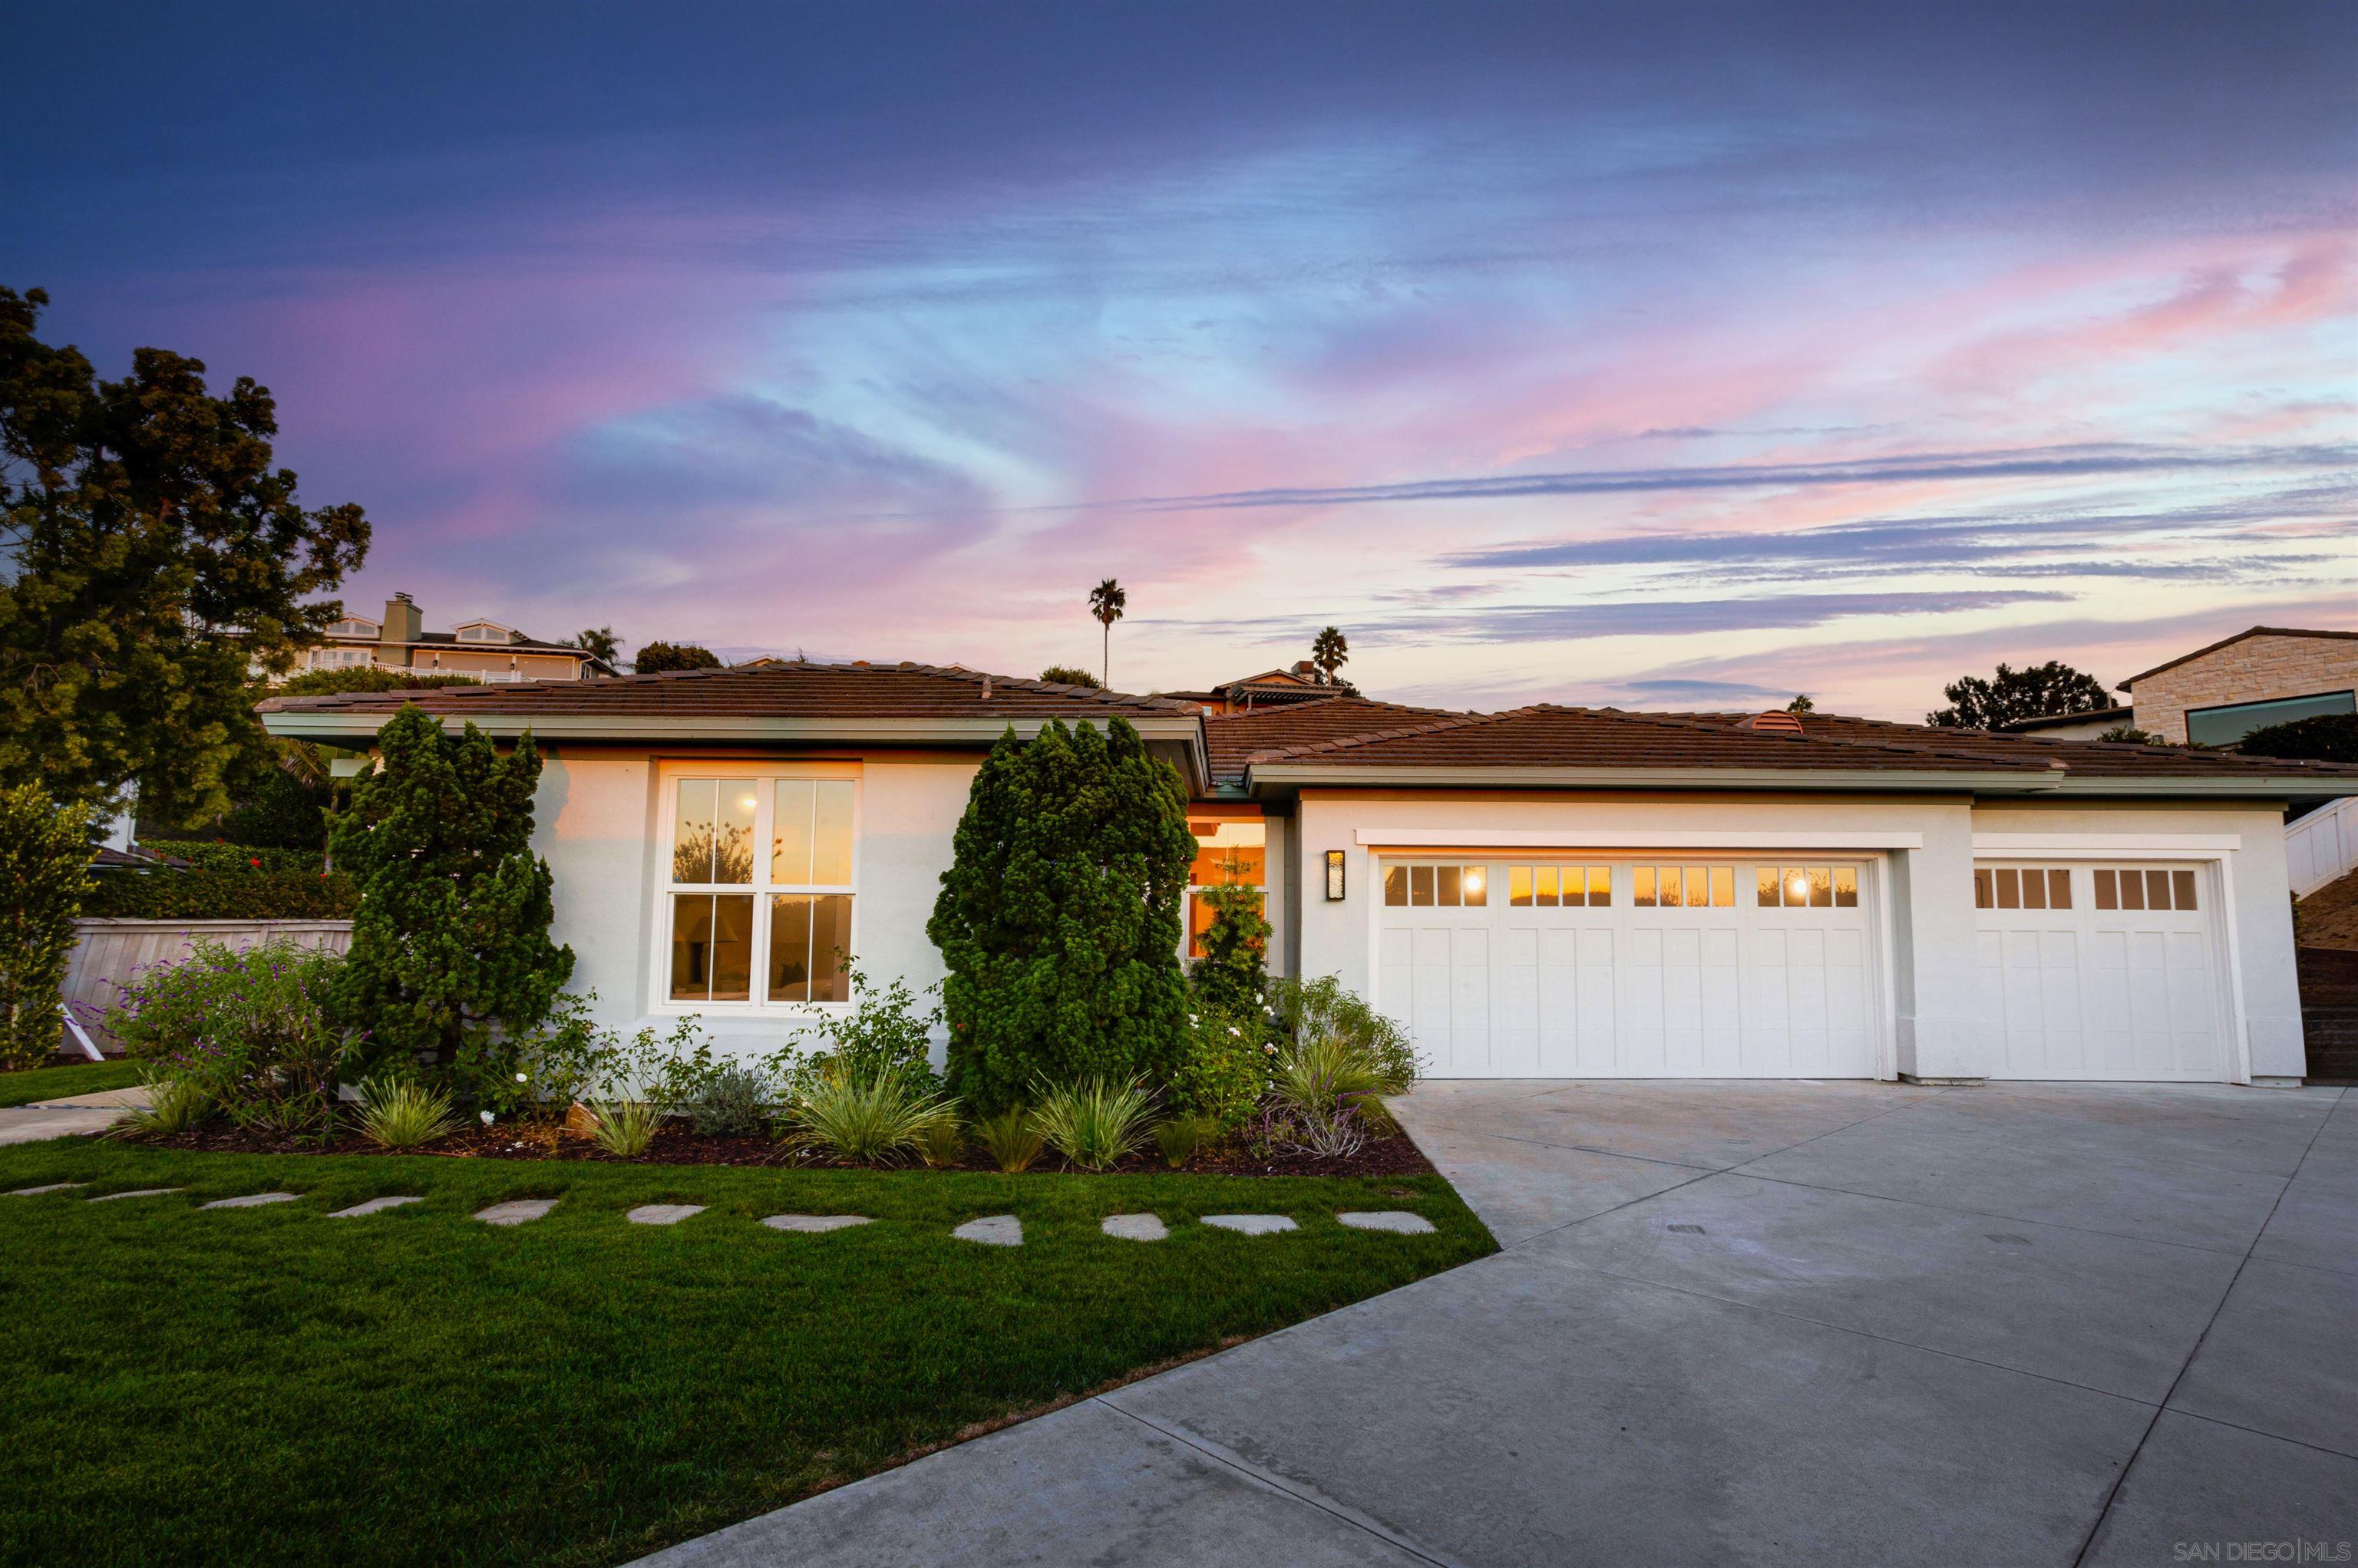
[{"x": 1776, "y": 719}]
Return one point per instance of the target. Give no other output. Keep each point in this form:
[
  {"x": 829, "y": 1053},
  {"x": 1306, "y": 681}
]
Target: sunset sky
[{"x": 1667, "y": 356}]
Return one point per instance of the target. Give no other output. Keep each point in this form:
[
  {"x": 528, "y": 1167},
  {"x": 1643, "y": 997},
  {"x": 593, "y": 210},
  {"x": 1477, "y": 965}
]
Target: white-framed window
[
  {"x": 340, "y": 658},
  {"x": 1682, "y": 887},
  {"x": 2128, "y": 887},
  {"x": 760, "y": 888},
  {"x": 1441, "y": 887},
  {"x": 2024, "y": 887},
  {"x": 1807, "y": 887},
  {"x": 484, "y": 631},
  {"x": 349, "y": 628},
  {"x": 1564, "y": 886}
]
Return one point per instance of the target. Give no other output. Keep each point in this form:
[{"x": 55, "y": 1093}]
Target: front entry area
[
  {"x": 1590, "y": 966},
  {"x": 2100, "y": 971}
]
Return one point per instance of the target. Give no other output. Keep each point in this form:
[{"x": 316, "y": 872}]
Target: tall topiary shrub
[
  {"x": 1232, "y": 974},
  {"x": 450, "y": 941},
  {"x": 1059, "y": 919},
  {"x": 44, "y": 873}
]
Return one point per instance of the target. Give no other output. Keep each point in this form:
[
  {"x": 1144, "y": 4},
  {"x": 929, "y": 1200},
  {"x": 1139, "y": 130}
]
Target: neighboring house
[
  {"x": 486, "y": 650},
  {"x": 2216, "y": 696},
  {"x": 2089, "y": 726},
  {"x": 1271, "y": 688},
  {"x": 1549, "y": 892}
]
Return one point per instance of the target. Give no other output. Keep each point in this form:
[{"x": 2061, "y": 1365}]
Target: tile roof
[
  {"x": 795, "y": 690},
  {"x": 1549, "y": 736},
  {"x": 1231, "y": 738}
]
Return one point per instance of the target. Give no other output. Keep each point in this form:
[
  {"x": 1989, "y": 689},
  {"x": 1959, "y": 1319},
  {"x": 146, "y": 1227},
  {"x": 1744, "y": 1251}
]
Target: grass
[
  {"x": 270, "y": 1386},
  {"x": 56, "y": 1083}
]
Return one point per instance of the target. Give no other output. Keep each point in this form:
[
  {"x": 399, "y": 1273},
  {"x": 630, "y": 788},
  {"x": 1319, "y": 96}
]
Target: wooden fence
[{"x": 107, "y": 953}]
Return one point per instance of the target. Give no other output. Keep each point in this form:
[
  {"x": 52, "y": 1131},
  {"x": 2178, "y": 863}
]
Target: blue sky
[{"x": 1665, "y": 355}]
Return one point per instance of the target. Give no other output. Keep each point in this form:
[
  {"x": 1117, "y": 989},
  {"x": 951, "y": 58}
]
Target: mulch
[{"x": 1391, "y": 1156}]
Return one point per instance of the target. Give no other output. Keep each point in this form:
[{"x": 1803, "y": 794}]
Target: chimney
[
  {"x": 403, "y": 625},
  {"x": 985, "y": 688},
  {"x": 1305, "y": 669}
]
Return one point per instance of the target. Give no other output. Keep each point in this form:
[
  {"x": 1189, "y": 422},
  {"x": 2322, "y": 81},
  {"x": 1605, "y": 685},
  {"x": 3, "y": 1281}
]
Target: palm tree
[
  {"x": 1330, "y": 652},
  {"x": 1105, "y": 603}
]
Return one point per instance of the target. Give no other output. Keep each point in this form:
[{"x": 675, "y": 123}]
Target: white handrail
[{"x": 2322, "y": 846}]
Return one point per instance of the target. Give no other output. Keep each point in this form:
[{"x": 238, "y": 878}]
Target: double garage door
[
  {"x": 2100, "y": 971},
  {"x": 1597, "y": 967}
]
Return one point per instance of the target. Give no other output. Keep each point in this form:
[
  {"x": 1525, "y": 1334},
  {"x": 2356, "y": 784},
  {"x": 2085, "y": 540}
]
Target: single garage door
[
  {"x": 1597, "y": 967},
  {"x": 2104, "y": 971}
]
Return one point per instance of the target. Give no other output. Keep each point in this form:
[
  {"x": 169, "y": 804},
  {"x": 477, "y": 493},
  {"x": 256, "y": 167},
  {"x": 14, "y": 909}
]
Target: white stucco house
[{"x": 1547, "y": 891}]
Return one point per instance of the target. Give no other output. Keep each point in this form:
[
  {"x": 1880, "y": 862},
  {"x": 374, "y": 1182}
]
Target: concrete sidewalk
[
  {"x": 1742, "y": 1323},
  {"x": 69, "y": 1115}
]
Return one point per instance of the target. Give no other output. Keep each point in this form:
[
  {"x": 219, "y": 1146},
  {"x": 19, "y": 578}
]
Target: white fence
[
  {"x": 2322, "y": 846},
  {"x": 107, "y": 953}
]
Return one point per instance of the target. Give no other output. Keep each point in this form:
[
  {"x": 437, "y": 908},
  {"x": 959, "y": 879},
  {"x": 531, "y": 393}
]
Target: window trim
[{"x": 765, "y": 776}]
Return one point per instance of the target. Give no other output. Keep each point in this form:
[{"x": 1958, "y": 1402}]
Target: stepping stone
[
  {"x": 992, "y": 1230},
  {"x": 252, "y": 1200},
  {"x": 1251, "y": 1224},
  {"x": 516, "y": 1211},
  {"x": 139, "y": 1193},
  {"x": 815, "y": 1223},
  {"x": 1134, "y": 1227},
  {"x": 1397, "y": 1220},
  {"x": 663, "y": 1213},
  {"x": 35, "y": 1191},
  {"x": 374, "y": 1206}
]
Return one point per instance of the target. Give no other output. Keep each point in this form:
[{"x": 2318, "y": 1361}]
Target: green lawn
[
  {"x": 54, "y": 1083},
  {"x": 271, "y": 1385}
]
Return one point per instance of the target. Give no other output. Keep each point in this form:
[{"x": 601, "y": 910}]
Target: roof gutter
[{"x": 350, "y": 728}]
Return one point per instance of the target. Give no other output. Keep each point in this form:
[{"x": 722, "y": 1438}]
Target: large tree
[
  {"x": 2043, "y": 691},
  {"x": 654, "y": 656},
  {"x": 452, "y": 939},
  {"x": 1059, "y": 918},
  {"x": 150, "y": 555}
]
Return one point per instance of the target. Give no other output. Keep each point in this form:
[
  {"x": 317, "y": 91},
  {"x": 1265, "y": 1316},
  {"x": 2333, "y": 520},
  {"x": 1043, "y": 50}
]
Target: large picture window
[{"x": 765, "y": 927}]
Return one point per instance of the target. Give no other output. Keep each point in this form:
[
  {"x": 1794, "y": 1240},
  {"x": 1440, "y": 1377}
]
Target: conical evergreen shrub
[
  {"x": 451, "y": 936},
  {"x": 1059, "y": 919}
]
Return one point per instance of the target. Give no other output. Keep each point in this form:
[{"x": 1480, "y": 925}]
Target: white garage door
[
  {"x": 2100, "y": 971},
  {"x": 1600, "y": 968}
]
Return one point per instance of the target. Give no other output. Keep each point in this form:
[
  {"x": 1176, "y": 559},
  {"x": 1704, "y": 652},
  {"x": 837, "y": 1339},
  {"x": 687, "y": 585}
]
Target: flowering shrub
[
  {"x": 539, "y": 1076},
  {"x": 884, "y": 1033},
  {"x": 1225, "y": 1062},
  {"x": 249, "y": 1030}
]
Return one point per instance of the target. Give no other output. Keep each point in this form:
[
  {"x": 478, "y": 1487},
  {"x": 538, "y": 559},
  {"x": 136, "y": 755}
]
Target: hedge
[
  {"x": 207, "y": 855},
  {"x": 219, "y": 895}
]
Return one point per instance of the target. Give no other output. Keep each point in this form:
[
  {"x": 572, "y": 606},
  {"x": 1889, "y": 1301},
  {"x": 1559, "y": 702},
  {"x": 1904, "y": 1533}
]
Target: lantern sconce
[{"x": 1334, "y": 876}]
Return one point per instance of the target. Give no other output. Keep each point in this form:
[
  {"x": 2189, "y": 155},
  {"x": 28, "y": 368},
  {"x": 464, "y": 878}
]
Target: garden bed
[{"x": 1392, "y": 1156}]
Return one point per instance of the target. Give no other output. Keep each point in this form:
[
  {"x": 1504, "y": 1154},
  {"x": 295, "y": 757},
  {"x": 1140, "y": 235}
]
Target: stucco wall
[
  {"x": 598, "y": 826},
  {"x": 2254, "y": 670}
]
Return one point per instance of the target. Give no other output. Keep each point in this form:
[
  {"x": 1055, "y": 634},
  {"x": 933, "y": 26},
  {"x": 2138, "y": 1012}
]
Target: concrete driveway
[{"x": 1743, "y": 1322}]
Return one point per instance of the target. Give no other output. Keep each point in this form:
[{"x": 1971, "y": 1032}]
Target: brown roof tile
[
  {"x": 1231, "y": 738},
  {"x": 1548, "y": 736},
  {"x": 780, "y": 691}
]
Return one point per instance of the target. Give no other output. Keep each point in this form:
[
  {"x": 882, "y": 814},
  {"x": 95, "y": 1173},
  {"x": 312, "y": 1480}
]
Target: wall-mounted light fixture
[{"x": 1334, "y": 876}]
